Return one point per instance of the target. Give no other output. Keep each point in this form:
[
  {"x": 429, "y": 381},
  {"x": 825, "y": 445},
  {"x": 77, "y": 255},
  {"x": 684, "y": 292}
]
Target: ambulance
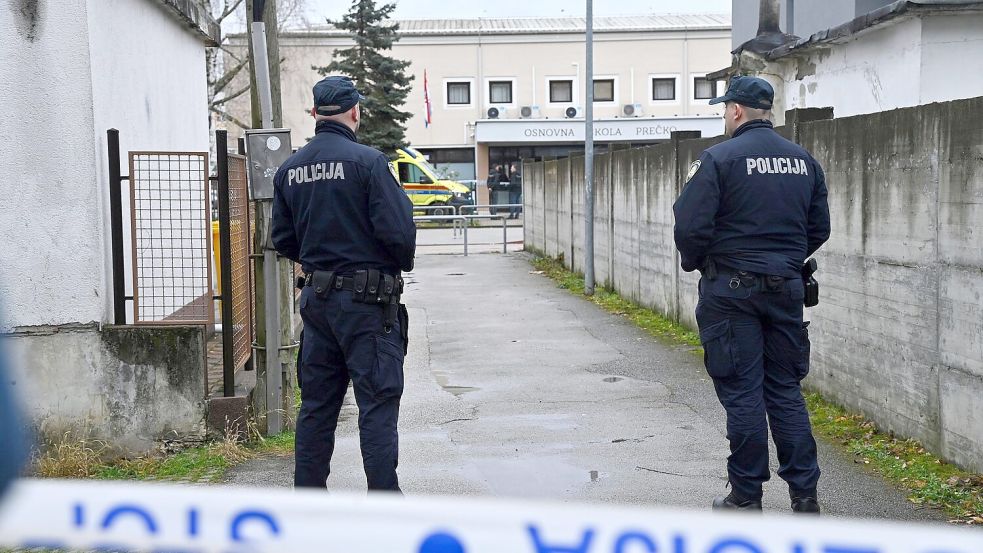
[{"x": 421, "y": 183}]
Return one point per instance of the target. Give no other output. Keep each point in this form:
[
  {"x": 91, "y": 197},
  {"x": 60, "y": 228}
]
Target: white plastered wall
[
  {"x": 876, "y": 71},
  {"x": 951, "y": 46},
  {"x": 149, "y": 82},
  {"x": 53, "y": 248},
  {"x": 66, "y": 76}
]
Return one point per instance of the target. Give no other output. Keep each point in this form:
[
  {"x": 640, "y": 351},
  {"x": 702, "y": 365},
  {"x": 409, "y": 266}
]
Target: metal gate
[
  {"x": 171, "y": 244},
  {"x": 234, "y": 248},
  {"x": 170, "y": 238}
]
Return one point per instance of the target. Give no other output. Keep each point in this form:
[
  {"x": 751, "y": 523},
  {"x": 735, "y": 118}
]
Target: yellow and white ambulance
[{"x": 421, "y": 183}]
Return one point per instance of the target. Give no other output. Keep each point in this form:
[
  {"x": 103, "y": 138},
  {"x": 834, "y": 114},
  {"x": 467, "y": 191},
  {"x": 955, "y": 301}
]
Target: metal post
[
  {"x": 465, "y": 237},
  {"x": 262, "y": 63},
  {"x": 589, "y": 157},
  {"x": 116, "y": 226},
  {"x": 274, "y": 378},
  {"x": 505, "y": 235},
  {"x": 225, "y": 262},
  {"x": 271, "y": 276}
]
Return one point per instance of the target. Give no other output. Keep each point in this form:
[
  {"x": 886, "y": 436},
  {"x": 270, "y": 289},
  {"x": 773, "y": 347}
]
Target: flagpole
[{"x": 426, "y": 101}]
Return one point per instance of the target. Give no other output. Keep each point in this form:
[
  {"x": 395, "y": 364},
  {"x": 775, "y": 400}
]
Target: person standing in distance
[
  {"x": 515, "y": 190},
  {"x": 752, "y": 210},
  {"x": 339, "y": 211}
]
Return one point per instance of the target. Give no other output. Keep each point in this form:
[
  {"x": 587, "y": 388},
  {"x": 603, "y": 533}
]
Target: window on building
[
  {"x": 704, "y": 89},
  {"x": 604, "y": 90},
  {"x": 663, "y": 88},
  {"x": 561, "y": 91},
  {"x": 458, "y": 94},
  {"x": 500, "y": 92}
]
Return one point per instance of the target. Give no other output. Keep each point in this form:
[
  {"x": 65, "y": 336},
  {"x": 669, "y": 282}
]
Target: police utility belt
[
  {"x": 367, "y": 285},
  {"x": 772, "y": 283}
]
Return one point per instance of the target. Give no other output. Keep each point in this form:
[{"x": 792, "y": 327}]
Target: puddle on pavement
[
  {"x": 613, "y": 379},
  {"x": 443, "y": 379}
]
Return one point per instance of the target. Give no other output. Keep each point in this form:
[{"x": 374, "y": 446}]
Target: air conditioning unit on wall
[
  {"x": 632, "y": 110},
  {"x": 573, "y": 112},
  {"x": 529, "y": 112},
  {"x": 497, "y": 112}
]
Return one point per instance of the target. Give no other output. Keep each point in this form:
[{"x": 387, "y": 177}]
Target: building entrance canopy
[{"x": 640, "y": 129}]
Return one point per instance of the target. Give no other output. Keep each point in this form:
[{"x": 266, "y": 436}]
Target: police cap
[
  {"x": 335, "y": 94},
  {"x": 748, "y": 91}
]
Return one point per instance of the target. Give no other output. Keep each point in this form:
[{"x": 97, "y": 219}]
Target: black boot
[
  {"x": 806, "y": 504},
  {"x": 733, "y": 503}
]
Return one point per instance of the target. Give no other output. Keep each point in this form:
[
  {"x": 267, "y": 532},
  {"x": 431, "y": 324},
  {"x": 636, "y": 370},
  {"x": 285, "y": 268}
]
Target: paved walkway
[{"x": 517, "y": 388}]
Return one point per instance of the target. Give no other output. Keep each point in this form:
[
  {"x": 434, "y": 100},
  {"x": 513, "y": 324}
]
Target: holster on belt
[
  {"x": 394, "y": 291},
  {"x": 810, "y": 284},
  {"x": 404, "y": 327},
  {"x": 373, "y": 287}
]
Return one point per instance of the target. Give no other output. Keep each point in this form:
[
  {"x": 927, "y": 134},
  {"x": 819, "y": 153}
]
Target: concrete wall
[
  {"x": 898, "y": 334},
  {"x": 131, "y": 386}
]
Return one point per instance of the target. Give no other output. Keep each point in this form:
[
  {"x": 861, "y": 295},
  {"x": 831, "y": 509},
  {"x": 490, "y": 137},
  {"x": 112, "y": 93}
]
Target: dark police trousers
[
  {"x": 756, "y": 349},
  {"x": 343, "y": 341}
]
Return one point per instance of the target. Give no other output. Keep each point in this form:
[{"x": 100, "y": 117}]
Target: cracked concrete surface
[{"x": 517, "y": 388}]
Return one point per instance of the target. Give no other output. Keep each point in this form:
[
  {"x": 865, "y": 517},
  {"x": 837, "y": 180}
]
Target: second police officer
[
  {"x": 753, "y": 209},
  {"x": 340, "y": 212}
]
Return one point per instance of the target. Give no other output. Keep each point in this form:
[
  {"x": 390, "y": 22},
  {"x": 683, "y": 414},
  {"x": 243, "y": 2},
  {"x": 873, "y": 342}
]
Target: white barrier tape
[{"x": 183, "y": 519}]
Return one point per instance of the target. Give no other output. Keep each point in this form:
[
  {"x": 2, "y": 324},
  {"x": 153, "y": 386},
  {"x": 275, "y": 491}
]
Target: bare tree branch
[
  {"x": 229, "y": 117},
  {"x": 224, "y": 80},
  {"x": 232, "y": 53},
  {"x": 229, "y": 10},
  {"x": 230, "y": 97}
]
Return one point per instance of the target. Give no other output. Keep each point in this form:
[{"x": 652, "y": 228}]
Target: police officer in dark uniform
[
  {"x": 752, "y": 210},
  {"x": 340, "y": 212}
]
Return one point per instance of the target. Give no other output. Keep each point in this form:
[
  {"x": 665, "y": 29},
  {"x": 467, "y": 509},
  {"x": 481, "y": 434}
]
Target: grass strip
[
  {"x": 81, "y": 458},
  {"x": 927, "y": 480},
  {"x": 644, "y": 318},
  {"x": 74, "y": 457}
]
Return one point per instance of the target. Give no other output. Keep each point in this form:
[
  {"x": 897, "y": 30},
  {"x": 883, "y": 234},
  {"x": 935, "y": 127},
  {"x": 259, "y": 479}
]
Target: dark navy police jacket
[
  {"x": 756, "y": 202},
  {"x": 337, "y": 206}
]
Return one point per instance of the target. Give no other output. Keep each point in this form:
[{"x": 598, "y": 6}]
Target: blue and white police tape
[{"x": 156, "y": 517}]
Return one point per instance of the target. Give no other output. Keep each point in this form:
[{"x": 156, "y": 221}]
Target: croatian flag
[{"x": 426, "y": 100}]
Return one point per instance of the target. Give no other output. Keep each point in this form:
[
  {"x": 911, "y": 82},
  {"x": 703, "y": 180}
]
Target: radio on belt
[{"x": 266, "y": 151}]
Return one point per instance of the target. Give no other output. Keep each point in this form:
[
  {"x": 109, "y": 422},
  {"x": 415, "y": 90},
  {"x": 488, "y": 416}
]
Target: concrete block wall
[
  {"x": 898, "y": 334},
  {"x": 658, "y": 265},
  {"x": 551, "y": 201},
  {"x": 623, "y": 212},
  {"x": 140, "y": 385}
]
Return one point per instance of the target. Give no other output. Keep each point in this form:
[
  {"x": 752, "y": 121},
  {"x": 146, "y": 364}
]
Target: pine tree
[{"x": 380, "y": 78}]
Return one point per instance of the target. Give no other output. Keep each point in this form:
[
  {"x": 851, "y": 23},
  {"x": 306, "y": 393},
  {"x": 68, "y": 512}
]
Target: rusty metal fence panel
[
  {"x": 171, "y": 238},
  {"x": 239, "y": 228}
]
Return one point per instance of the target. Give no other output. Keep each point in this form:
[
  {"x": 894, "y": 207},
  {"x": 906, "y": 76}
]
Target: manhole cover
[
  {"x": 613, "y": 379},
  {"x": 455, "y": 274}
]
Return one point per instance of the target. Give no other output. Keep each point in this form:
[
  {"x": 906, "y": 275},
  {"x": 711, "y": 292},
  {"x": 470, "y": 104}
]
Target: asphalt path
[{"x": 516, "y": 388}]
